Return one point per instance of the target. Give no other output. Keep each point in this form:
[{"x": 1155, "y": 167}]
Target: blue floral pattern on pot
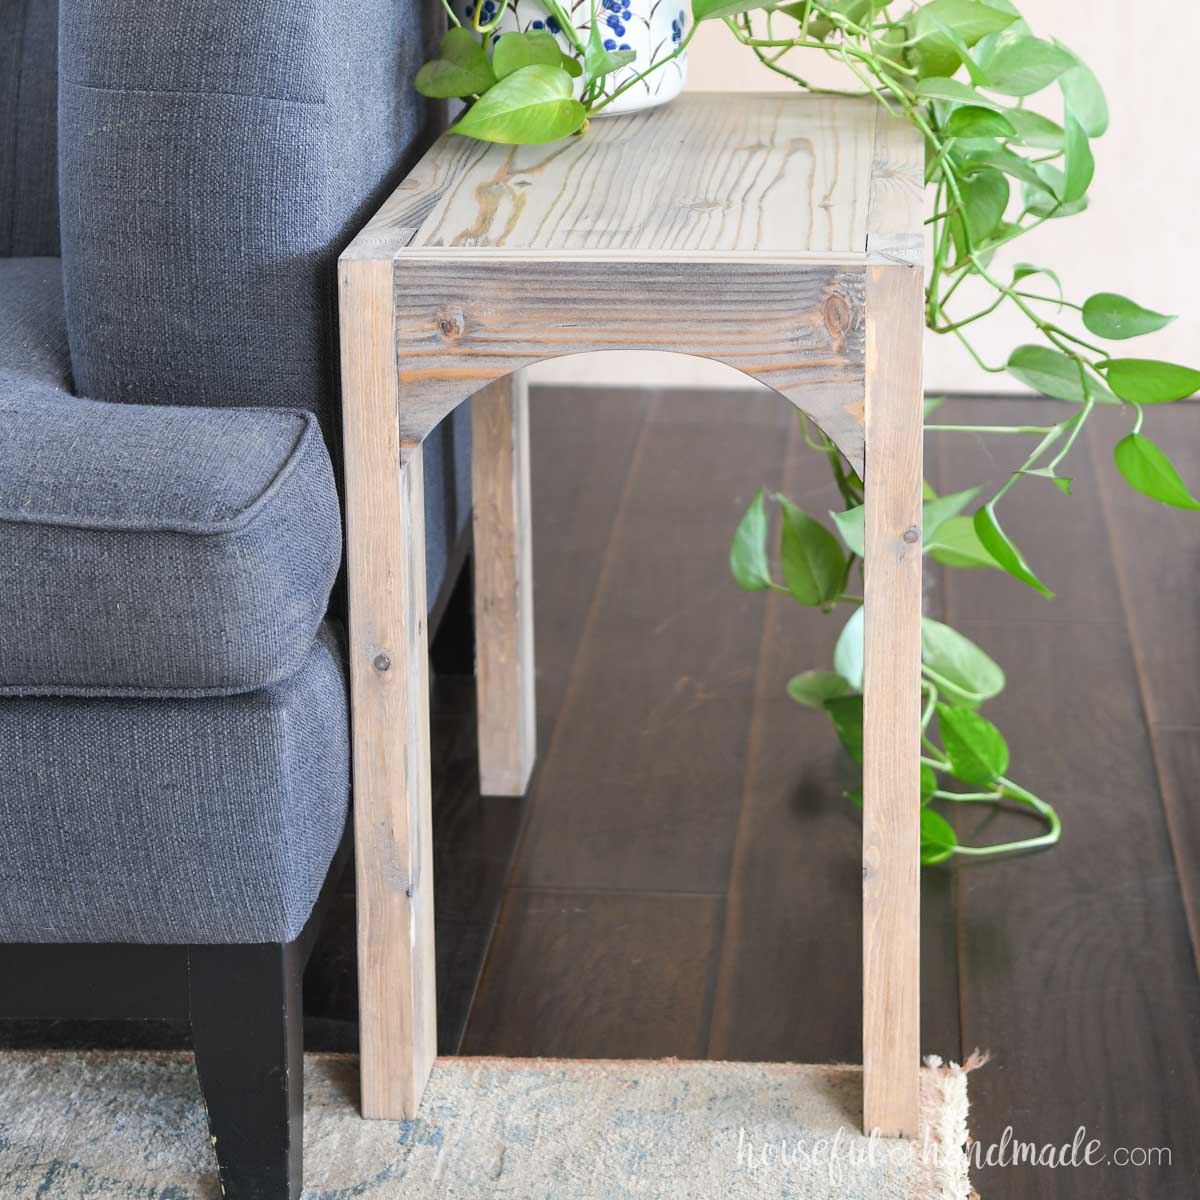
[{"x": 652, "y": 29}]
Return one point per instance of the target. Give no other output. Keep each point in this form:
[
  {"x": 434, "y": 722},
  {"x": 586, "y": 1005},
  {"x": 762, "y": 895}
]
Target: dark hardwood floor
[
  {"x": 683, "y": 877},
  {"x": 687, "y": 878}
]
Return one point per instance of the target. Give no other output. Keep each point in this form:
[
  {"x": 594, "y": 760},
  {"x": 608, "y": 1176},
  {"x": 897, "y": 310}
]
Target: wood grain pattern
[
  {"x": 765, "y": 173},
  {"x": 891, "y": 691},
  {"x": 466, "y": 321},
  {"x": 503, "y": 586},
  {"x": 585, "y": 974},
  {"x": 385, "y": 546},
  {"x": 894, "y": 220}
]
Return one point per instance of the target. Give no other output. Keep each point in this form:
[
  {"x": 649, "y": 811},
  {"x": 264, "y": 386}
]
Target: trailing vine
[
  {"x": 973, "y": 78},
  {"x": 964, "y": 73}
]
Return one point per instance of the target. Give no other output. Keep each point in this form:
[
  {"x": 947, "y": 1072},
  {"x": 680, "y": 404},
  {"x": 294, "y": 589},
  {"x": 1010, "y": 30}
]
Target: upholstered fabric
[
  {"x": 157, "y": 550},
  {"x": 174, "y": 761},
  {"x": 33, "y": 331},
  {"x": 173, "y": 820},
  {"x": 28, "y": 135},
  {"x": 215, "y": 158}
]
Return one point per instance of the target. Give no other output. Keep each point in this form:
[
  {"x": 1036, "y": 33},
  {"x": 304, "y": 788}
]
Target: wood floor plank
[
  {"x": 582, "y": 441},
  {"x": 638, "y": 788},
  {"x": 599, "y": 975},
  {"x": 1075, "y": 964},
  {"x": 1157, "y": 554}
]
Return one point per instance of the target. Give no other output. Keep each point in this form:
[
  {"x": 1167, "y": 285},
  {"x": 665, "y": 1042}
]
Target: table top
[{"x": 709, "y": 175}]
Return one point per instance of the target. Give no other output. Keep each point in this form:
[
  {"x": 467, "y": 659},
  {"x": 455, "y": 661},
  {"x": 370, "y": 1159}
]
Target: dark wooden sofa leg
[{"x": 247, "y": 1028}]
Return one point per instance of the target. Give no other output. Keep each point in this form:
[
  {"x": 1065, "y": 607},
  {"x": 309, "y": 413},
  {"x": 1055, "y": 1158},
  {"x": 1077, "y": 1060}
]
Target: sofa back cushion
[
  {"x": 214, "y": 158},
  {"x": 28, "y": 137}
]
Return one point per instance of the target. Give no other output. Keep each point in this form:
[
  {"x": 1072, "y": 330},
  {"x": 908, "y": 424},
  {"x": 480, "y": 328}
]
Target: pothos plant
[
  {"x": 529, "y": 90},
  {"x": 977, "y": 83}
]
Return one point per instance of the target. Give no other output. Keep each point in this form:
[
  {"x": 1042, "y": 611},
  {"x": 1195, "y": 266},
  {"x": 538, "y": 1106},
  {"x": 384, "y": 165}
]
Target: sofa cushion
[
  {"x": 33, "y": 330},
  {"x": 172, "y": 820},
  {"x": 158, "y": 551},
  {"x": 238, "y": 147}
]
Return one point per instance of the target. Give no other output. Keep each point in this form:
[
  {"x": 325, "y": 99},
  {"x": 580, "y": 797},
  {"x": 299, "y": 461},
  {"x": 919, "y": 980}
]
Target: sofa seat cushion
[
  {"x": 174, "y": 820},
  {"x": 150, "y": 550}
]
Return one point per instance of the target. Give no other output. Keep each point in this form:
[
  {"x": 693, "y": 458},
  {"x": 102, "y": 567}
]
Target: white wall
[{"x": 1139, "y": 236}]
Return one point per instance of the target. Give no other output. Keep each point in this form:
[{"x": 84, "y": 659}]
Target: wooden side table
[{"x": 779, "y": 234}]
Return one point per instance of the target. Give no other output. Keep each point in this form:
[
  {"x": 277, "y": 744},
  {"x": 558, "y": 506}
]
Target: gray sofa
[{"x": 176, "y": 181}]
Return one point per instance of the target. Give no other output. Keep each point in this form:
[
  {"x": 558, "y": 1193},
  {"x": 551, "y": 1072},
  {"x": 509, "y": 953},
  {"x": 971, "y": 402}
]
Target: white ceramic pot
[{"x": 651, "y": 28}]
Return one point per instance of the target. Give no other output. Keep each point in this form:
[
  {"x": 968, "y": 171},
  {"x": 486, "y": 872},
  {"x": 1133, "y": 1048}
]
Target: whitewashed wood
[
  {"x": 764, "y": 173},
  {"x": 503, "y": 586},
  {"x": 891, "y": 691},
  {"x": 730, "y": 229},
  {"x": 385, "y": 551},
  {"x": 894, "y": 221},
  {"x": 462, "y": 322}
]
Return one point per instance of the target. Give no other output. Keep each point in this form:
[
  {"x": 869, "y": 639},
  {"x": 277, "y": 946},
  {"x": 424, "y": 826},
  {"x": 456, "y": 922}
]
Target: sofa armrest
[{"x": 158, "y": 550}]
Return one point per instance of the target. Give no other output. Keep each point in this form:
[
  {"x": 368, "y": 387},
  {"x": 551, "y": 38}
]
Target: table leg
[
  {"x": 891, "y": 691},
  {"x": 503, "y": 586},
  {"x": 393, "y": 835}
]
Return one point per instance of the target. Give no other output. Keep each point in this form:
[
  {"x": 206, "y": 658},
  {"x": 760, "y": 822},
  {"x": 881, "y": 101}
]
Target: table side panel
[
  {"x": 709, "y": 172},
  {"x": 461, "y": 323}
]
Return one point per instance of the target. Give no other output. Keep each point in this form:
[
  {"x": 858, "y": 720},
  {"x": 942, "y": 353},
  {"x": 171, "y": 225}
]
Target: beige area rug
[{"x": 122, "y": 1126}]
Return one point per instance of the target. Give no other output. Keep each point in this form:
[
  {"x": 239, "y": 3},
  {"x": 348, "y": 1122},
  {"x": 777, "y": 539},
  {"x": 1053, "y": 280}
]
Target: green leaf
[
  {"x": 846, "y": 713},
  {"x": 1148, "y": 470},
  {"x": 1034, "y": 130},
  {"x": 958, "y": 545},
  {"x": 574, "y": 67},
  {"x": 848, "y": 652},
  {"x": 1026, "y": 65},
  {"x": 748, "y": 554},
  {"x": 598, "y": 62},
  {"x": 928, "y": 783},
  {"x": 855, "y": 796},
  {"x": 953, "y": 90},
  {"x": 932, "y": 404},
  {"x": 516, "y": 50},
  {"x": 711, "y": 10},
  {"x": 462, "y": 68},
  {"x": 936, "y": 512},
  {"x": 935, "y": 27},
  {"x": 527, "y": 108},
  {"x": 937, "y": 838},
  {"x": 1046, "y": 200},
  {"x": 1148, "y": 381},
  {"x": 1055, "y": 374},
  {"x": 972, "y": 121},
  {"x": 1080, "y": 166},
  {"x": 813, "y": 688},
  {"x": 1083, "y": 93},
  {"x": 976, "y": 749},
  {"x": 984, "y": 197},
  {"x": 963, "y": 673},
  {"x": 998, "y": 544},
  {"x": 813, "y": 566},
  {"x": 1115, "y": 317},
  {"x": 850, "y": 524},
  {"x": 1000, "y": 159},
  {"x": 1024, "y": 270}
]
